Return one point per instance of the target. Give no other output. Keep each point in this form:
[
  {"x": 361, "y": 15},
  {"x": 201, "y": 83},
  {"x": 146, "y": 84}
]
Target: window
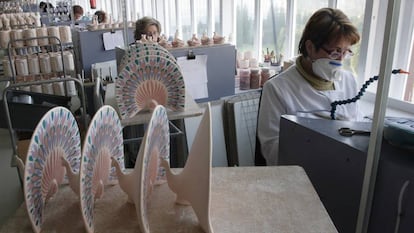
[
  {"x": 201, "y": 17},
  {"x": 354, "y": 9},
  {"x": 172, "y": 19},
  {"x": 304, "y": 9},
  {"x": 258, "y": 25},
  {"x": 245, "y": 21},
  {"x": 401, "y": 86},
  {"x": 217, "y": 22},
  {"x": 186, "y": 19},
  {"x": 274, "y": 27}
]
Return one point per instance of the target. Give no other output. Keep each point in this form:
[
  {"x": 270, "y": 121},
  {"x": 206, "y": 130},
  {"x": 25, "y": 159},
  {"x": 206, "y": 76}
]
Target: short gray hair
[{"x": 142, "y": 24}]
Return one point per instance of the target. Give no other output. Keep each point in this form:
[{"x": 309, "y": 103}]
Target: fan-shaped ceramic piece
[
  {"x": 145, "y": 49},
  {"x": 56, "y": 137},
  {"x": 103, "y": 141},
  {"x": 149, "y": 81},
  {"x": 195, "y": 189},
  {"x": 154, "y": 148}
]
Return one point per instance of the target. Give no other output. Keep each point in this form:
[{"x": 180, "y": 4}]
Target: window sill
[{"x": 394, "y": 107}]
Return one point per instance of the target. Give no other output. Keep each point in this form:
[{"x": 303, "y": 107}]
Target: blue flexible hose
[{"x": 359, "y": 95}]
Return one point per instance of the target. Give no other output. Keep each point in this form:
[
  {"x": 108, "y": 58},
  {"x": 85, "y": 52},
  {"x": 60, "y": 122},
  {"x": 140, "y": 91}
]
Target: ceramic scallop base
[
  {"x": 56, "y": 137},
  {"x": 138, "y": 184},
  {"x": 195, "y": 189}
]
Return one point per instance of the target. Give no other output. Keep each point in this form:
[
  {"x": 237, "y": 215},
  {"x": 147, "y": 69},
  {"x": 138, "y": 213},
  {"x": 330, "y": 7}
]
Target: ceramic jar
[
  {"x": 4, "y": 39},
  {"x": 44, "y": 62},
  {"x": 265, "y": 75},
  {"x": 22, "y": 68},
  {"x": 33, "y": 63},
  {"x": 253, "y": 63},
  {"x": 7, "y": 67},
  {"x": 6, "y": 23},
  {"x": 244, "y": 75},
  {"x": 42, "y": 32},
  {"x": 30, "y": 33},
  {"x": 24, "y": 88},
  {"x": 254, "y": 78},
  {"x": 247, "y": 55},
  {"x": 65, "y": 34},
  {"x": 71, "y": 88},
  {"x": 53, "y": 31},
  {"x": 17, "y": 34},
  {"x": 47, "y": 88},
  {"x": 68, "y": 61},
  {"x": 56, "y": 62},
  {"x": 59, "y": 88},
  {"x": 36, "y": 88},
  {"x": 243, "y": 64}
]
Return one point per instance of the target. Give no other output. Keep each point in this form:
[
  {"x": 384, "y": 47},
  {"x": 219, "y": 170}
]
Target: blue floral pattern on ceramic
[
  {"x": 102, "y": 141},
  {"x": 156, "y": 147},
  {"x": 55, "y": 137},
  {"x": 149, "y": 78}
]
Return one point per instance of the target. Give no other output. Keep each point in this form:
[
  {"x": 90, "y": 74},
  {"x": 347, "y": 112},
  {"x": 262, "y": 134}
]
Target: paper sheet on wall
[
  {"x": 111, "y": 40},
  {"x": 195, "y": 75}
]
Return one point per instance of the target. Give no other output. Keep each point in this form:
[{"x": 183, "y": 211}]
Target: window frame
[{"x": 373, "y": 29}]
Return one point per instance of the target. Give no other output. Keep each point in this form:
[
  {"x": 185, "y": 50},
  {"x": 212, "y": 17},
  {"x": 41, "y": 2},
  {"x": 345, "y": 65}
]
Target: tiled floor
[{"x": 10, "y": 192}]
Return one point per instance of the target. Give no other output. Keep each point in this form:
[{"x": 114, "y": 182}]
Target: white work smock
[{"x": 290, "y": 93}]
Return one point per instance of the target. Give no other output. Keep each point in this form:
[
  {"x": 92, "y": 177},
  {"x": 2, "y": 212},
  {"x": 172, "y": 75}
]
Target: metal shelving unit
[{"x": 13, "y": 110}]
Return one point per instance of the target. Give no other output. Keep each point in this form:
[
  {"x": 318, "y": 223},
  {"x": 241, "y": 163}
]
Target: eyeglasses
[
  {"x": 152, "y": 34},
  {"x": 337, "y": 53}
]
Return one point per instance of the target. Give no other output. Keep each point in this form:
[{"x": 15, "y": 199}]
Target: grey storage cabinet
[{"x": 335, "y": 165}]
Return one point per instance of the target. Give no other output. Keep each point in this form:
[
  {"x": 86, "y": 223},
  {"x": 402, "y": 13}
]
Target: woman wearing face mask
[{"x": 317, "y": 78}]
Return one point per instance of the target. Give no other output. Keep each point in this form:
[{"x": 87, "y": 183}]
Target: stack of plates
[{"x": 149, "y": 75}]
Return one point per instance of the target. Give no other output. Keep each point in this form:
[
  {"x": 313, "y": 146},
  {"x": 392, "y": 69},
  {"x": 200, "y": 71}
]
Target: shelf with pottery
[
  {"x": 27, "y": 58},
  {"x": 152, "y": 197}
]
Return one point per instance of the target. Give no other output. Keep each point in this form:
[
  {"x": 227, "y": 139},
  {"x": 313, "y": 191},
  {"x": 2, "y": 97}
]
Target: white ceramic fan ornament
[
  {"x": 195, "y": 189},
  {"x": 103, "y": 141},
  {"x": 154, "y": 148},
  {"x": 73, "y": 177},
  {"x": 149, "y": 76},
  {"x": 56, "y": 136}
]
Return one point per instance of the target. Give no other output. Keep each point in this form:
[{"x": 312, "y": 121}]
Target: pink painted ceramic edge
[
  {"x": 104, "y": 132},
  {"x": 156, "y": 148},
  {"x": 57, "y": 128},
  {"x": 137, "y": 72}
]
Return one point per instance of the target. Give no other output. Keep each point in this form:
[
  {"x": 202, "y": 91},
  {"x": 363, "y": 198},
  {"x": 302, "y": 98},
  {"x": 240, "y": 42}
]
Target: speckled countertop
[{"x": 244, "y": 199}]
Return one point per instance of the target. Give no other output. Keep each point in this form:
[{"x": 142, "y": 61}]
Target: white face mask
[{"x": 327, "y": 69}]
